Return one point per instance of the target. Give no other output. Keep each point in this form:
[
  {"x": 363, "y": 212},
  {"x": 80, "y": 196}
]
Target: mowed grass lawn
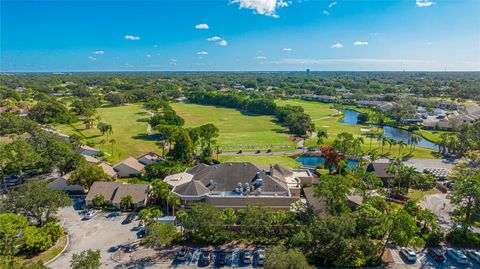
[
  {"x": 237, "y": 130},
  {"x": 329, "y": 119},
  {"x": 266, "y": 160},
  {"x": 129, "y": 132}
]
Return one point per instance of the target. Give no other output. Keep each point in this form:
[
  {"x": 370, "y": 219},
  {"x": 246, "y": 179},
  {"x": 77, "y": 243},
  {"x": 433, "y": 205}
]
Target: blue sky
[{"x": 277, "y": 35}]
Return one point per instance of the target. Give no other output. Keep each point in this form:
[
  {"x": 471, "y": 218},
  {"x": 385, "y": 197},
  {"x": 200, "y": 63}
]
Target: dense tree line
[{"x": 293, "y": 117}]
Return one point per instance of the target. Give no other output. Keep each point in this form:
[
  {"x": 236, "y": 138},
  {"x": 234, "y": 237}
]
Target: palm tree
[
  {"x": 371, "y": 136},
  {"x": 382, "y": 139},
  {"x": 126, "y": 202},
  {"x": 401, "y": 144},
  {"x": 391, "y": 142},
  {"x": 102, "y": 143},
  {"x": 408, "y": 173},
  {"x": 112, "y": 142},
  {"x": 414, "y": 139},
  {"x": 373, "y": 156},
  {"x": 173, "y": 201},
  {"x": 321, "y": 136},
  {"x": 443, "y": 143}
]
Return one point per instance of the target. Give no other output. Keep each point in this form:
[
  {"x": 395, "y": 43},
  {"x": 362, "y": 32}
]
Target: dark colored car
[
  {"x": 436, "y": 254},
  {"x": 206, "y": 257},
  {"x": 141, "y": 234},
  {"x": 128, "y": 219},
  {"x": 182, "y": 254},
  {"x": 223, "y": 258}
]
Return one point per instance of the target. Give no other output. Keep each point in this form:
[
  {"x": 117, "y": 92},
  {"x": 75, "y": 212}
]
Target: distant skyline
[{"x": 239, "y": 35}]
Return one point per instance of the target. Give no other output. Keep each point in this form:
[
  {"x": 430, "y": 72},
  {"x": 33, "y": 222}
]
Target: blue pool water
[{"x": 314, "y": 160}]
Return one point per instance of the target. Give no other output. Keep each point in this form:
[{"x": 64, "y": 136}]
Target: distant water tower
[{"x": 308, "y": 71}]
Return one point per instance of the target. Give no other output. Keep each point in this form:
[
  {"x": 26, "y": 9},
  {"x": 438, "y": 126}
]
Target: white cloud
[
  {"x": 424, "y": 3},
  {"x": 326, "y": 13},
  {"x": 201, "y": 26},
  {"x": 261, "y": 57},
  {"x": 263, "y": 7},
  {"x": 337, "y": 46},
  {"x": 287, "y": 49},
  {"x": 99, "y": 52},
  {"x": 332, "y": 4},
  {"x": 149, "y": 56},
  {"x": 132, "y": 37},
  {"x": 202, "y": 53},
  {"x": 92, "y": 58},
  {"x": 360, "y": 43},
  {"x": 223, "y": 43},
  {"x": 214, "y": 38}
]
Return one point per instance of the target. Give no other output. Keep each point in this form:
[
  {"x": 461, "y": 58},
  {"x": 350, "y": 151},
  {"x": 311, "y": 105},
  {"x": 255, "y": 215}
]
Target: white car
[
  {"x": 90, "y": 214},
  {"x": 457, "y": 256},
  {"x": 409, "y": 254},
  {"x": 475, "y": 255},
  {"x": 247, "y": 259},
  {"x": 260, "y": 257}
]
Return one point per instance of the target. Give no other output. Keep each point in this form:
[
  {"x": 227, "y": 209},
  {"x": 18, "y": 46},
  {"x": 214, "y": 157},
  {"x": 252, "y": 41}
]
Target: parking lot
[
  {"x": 424, "y": 260},
  {"x": 233, "y": 258},
  {"x": 104, "y": 232}
]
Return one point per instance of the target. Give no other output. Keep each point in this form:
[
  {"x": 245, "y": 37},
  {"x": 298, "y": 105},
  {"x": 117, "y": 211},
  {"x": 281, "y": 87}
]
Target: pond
[
  {"x": 313, "y": 161},
  {"x": 351, "y": 117}
]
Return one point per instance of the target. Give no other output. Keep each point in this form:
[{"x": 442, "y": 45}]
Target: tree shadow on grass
[{"x": 146, "y": 137}]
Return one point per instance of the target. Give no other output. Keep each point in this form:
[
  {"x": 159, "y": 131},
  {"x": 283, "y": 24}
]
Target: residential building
[
  {"x": 91, "y": 159},
  {"x": 380, "y": 170},
  {"x": 90, "y": 151},
  {"x": 236, "y": 185},
  {"x": 108, "y": 169},
  {"x": 129, "y": 167},
  {"x": 113, "y": 192},
  {"x": 319, "y": 98},
  {"x": 61, "y": 184},
  {"x": 319, "y": 205},
  {"x": 150, "y": 158}
]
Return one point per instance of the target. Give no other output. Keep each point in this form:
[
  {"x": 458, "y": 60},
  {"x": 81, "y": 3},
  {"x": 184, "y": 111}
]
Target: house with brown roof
[
  {"x": 113, "y": 192},
  {"x": 380, "y": 170},
  {"x": 90, "y": 151},
  {"x": 107, "y": 169},
  {"x": 236, "y": 185},
  {"x": 150, "y": 158},
  {"x": 129, "y": 167},
  {"x": 319, "y": 204}
]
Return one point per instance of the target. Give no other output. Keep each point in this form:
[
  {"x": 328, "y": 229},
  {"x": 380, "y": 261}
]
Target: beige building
[
  {"x": 129, "y": 167},
  {"x": 236, "y": 185},
  {"x": 113, "y": 192}
]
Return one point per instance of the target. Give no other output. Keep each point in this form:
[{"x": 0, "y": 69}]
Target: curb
[{"x": 61, "y": 252}]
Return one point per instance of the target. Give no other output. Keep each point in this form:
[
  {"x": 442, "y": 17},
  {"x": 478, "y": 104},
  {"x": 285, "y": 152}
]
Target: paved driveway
[
  {"x": 100, "y": 232},
  {"x": 439, "y": 204}
]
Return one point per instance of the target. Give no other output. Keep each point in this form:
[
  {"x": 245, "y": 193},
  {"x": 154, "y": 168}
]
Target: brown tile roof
[
  {"x": 115, "y": 191},
  {"x": 133, "y": 163},
  {"x": 191, "y": 188},
  {"x": 317, "y": 203},
  {"x": 139, "y": 192},
  {"x": 227, "y": 176},
  {"x": 379, "y": 169},
  {"x": 108, "y": 169},
  {"x": 107, "y": 189}
]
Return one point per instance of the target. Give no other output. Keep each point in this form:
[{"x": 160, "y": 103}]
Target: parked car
[
  {"x": 223, "y": 258},
  {"x": 409, "y": 254},
  {"x": 90, "y": 214},
  {"x": 260, "y": 257},
  {"x": 130, "y": 217},
  {"x": 436, "y": 254},
  {"x": 141, "y": 234},
  {"x": 457, "y": 256},
  {"x": 475, "y": 255},
  {"x": 247, "y": 257},
  {"x": 182, "y": 254},
  {"x": 141, "y": 226},
  {"x": 206, "y": 257}
]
